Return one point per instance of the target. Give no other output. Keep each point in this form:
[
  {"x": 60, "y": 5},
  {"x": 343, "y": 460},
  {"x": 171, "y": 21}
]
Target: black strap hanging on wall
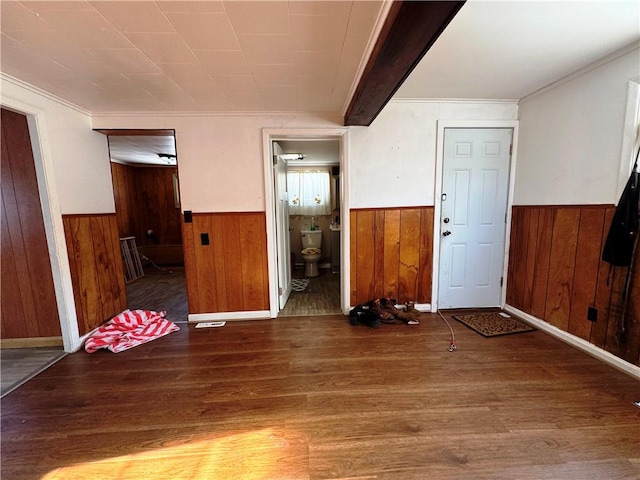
[
  {"x": 620, "y": 243},
  {"x": 622, "y": 239}
]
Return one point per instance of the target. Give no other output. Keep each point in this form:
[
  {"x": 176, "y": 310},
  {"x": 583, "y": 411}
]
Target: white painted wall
[
  {"x": 78, "y": 156},
  {"x": 220, "y": 158},
  {"x": 571, "y": 137},
  {"x": 392, "y": 162}
]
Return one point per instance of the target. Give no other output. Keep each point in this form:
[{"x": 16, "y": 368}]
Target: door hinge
[
  {"x": 511, "y": 149},
  {"x": 279, "y": 290},
  {"x": 275, "y": 159},
  {"x": 501, "y": 281}
]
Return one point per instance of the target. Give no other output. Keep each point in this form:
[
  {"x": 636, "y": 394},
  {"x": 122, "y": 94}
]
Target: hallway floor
[{"x": 321, "y": 297}]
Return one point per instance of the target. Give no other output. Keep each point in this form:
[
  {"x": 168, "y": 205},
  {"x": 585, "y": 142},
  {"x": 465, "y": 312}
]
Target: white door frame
[
  {"x": 270, "y": 135},
  {"x": 437, "y": 224}
]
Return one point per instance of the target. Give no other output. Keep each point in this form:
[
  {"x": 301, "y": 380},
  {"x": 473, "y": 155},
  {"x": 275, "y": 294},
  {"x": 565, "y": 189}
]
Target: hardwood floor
[
  {"x": 21, "y": 364},
  {"x": 314, "y": 397},
  {"x": 321, "y": 297},
  {"x": 158, "y": 291}
]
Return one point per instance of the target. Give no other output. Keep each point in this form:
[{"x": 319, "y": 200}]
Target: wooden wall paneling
[
  {"x": 13, "y": 322},
  {"x": 145, "y": 201},
  {"x": 391, "y": 253},
  {"x": 604, "y": 285},
  {"x": 365, "y": 249},
  {"x": 96, "y": 268},
  {"x": 425, "y": 268},
  {"x": 205, "y": 265},
  {"x": 353, "y": 260},
  {"x": 255, "y": 281},
  {"x": 230, "y": 274},
  {"x": 117, "y": 268},
  {"x": 233, "y": 262},
  {"x": 22, "y": 211},
  {"x": 520, "y": 266},
  {"x": 190, "y": 267},
  {"x": 546, "y": 219},
  {"x": 112, "y": 276},
  {"x": 84, "y": 275},
  {"x": 409, "y": 254},
  {"x": 74, "y": 267},
  {"x": 378, "y": 260},
  {"x": 561, "y": 267},
  {"x": 120, "y": 198},
  {"x": 17, "y": 298},
  {"x": 585, "y": 276},
  {"x": 530, "y": 262},
  {"x": 99, "y": 236}
]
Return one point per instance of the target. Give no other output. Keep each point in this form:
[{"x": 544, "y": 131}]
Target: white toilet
[{"x": 311, "y": 253}]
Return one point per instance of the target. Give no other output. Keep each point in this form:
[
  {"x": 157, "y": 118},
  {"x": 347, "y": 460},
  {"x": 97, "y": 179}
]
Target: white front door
[
  {"x": 475, "y": 184},
  {"x": 282, "y": 231}
]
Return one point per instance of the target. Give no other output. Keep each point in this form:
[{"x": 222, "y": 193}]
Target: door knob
[{"x": 446, "y": 233}]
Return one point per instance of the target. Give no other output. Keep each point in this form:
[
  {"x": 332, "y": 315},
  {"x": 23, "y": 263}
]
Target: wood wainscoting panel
[
  {"x": 144, "y": 199},
  {"x": 391, "y": 254},
  {"x": 556, "y": 273},
  {"x": 97, "y": 272},
  {"x": 230, "y": 274},
  {"x": 562, "y": 266}
]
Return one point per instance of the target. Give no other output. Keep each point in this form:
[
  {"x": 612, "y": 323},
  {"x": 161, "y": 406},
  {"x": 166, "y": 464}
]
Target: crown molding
[
  {"x": 164, "y": 114},
  {"x": 43, "y": 93}
]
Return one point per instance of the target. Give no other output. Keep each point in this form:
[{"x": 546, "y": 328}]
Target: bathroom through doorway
[{"x": 306, "y": 182}]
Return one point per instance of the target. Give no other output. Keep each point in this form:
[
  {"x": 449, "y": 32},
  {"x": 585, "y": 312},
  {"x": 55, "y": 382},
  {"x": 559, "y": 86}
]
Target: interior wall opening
[
  {"x": 310, "y": 234},
  {"x": 144, "y": 170}
]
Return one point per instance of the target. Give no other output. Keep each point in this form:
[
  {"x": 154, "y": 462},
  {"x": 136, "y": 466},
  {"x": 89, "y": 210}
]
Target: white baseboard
[
  {"x": 423, "y": 307},
  {"x": 577, "y": 342},
  {"x": 229, "y": 316}
]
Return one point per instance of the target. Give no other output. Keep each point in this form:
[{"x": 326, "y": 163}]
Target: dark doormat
[{"x": 492, "y": 324}]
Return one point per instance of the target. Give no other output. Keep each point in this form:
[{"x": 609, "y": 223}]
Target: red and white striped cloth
[{"x": 130, "y": 329}]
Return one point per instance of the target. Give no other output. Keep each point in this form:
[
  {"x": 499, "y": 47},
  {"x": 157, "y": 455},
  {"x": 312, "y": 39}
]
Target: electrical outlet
[{"x": 592, "y": 314}]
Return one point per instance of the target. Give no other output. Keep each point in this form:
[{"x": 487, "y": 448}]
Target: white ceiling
[
  {"x": 190, "y": 56},
  {"x": 315, "y": 153},
  {"x": 291, "y": 56},
  {"x": 143, "y": 149},
  {"x": 510, "y": 49}
]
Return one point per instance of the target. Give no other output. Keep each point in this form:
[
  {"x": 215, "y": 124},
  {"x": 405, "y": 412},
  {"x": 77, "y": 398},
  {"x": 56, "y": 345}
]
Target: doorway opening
[
  {"x": 305, "y": 179},
  {"x": 144, "y": 171}
]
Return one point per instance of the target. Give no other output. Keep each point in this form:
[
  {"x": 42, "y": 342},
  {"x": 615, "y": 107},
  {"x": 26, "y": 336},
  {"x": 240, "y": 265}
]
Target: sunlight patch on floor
[{"x": 251, "y": 456}]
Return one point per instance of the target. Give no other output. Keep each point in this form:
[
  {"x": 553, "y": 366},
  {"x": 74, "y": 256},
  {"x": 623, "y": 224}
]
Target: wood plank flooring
[
  {"x": 321, "y": 297},
  {"x": 21, "y": 364},
  {"x": 160, "y": 290},
  {"x": 314, "y": 397}
]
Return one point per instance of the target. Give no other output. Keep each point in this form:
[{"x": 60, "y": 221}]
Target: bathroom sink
[{"x": 335, "y": 228}]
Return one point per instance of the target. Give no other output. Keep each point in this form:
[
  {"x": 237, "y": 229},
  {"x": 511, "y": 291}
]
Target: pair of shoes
[
  {"x": 411, "y": 308},
  {"x": 411, "y": 314},
  {"x": 408, "y": 318},
  {"x": 361, "y": 314},
  {"x": 382, "y": 311}
]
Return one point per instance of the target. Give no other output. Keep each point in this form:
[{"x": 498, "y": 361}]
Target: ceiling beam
[{"x": 409, "y": 31}]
